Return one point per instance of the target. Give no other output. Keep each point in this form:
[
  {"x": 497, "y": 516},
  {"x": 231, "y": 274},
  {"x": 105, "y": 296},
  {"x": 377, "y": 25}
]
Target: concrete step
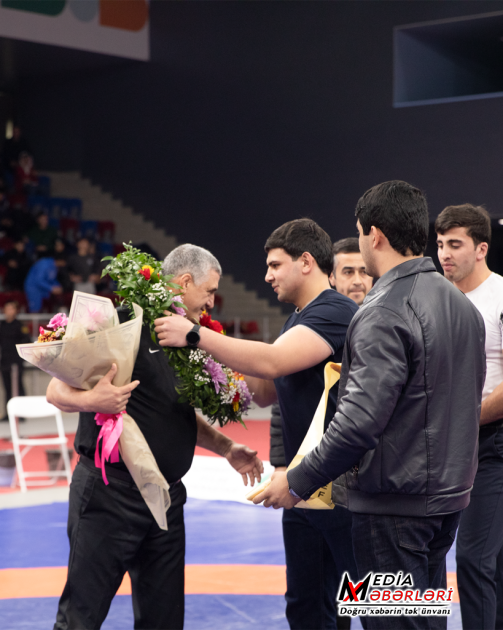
[{"x": 131, "y": 226}]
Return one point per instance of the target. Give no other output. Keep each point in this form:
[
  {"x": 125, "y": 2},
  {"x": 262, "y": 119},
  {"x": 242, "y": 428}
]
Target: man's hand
[
  {"x": 171, "y": 330},
  {"x": 277, "y": 493},
  {"x": 245, "y": 461},
  {"x": 106, "y": 398}
]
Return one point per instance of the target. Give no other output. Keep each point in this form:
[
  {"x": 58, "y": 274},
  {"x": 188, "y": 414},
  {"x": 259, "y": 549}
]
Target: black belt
[{"x": 115, "y": 473}]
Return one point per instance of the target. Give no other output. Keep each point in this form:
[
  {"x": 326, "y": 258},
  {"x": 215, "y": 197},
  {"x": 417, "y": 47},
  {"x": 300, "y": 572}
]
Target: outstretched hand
[
  {"x": 106, "y": 398},
  {"x": 277, "y": 493},
  {"x": 245, "y": 461}
]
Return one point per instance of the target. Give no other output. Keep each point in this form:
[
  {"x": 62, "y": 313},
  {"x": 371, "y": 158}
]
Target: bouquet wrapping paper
[
  {"x": 141, "y": 464},
  {"x": 83, "y": 357}
]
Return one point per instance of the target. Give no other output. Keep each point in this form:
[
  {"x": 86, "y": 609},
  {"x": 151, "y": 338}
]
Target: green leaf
[{"x": 182, "y": 355}]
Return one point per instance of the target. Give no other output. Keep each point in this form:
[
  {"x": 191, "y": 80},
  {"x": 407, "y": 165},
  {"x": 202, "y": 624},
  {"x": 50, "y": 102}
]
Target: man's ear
[
  {"x": 308, "y": 262},
  {"x": 184, "y": 280},
  {"x": 378, "y": 238},
  {"x": 481, "y": 250}
]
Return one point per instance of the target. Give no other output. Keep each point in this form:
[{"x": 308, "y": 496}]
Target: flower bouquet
[
  {"x": 79, "y": 350},
  {"x": 220, "y": 393}
]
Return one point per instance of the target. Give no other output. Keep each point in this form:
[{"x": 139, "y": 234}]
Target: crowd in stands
[{"x": 46, "y": 250}]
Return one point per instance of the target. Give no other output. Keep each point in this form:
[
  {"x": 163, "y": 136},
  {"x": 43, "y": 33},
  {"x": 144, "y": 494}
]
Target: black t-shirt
[
  {"x": 11, "y": 333},
  {"x": 168, "y": 426},
  {"x": 328, "y": 315}
]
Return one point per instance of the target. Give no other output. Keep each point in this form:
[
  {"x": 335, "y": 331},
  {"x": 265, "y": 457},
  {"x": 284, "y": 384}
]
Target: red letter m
[{"x": 350, "y": 592}]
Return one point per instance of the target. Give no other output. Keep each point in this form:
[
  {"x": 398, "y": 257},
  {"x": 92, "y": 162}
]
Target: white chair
[{"x": 36, "y": 407}]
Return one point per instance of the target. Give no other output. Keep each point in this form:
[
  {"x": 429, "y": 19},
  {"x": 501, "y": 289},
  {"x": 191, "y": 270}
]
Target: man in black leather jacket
[{"x": 403, "y": 442}]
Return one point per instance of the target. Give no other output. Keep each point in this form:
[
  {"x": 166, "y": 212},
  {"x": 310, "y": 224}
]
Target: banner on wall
[{"x": 113, "y": 27}]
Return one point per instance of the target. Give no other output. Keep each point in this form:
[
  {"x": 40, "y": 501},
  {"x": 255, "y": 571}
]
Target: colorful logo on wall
[
  {"x": 111, "y": 27},
  {"x": 130, "y": 15}
]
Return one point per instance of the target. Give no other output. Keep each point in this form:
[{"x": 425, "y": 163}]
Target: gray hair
[{"x": 190, "y": 259}]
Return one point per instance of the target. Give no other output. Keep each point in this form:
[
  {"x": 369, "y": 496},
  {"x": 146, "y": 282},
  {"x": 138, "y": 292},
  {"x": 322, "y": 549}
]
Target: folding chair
[{"x": 36, "y": 407}]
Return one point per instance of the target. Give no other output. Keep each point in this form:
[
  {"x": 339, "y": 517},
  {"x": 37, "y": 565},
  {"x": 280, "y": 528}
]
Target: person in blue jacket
[{"x": 41, "y": 282}]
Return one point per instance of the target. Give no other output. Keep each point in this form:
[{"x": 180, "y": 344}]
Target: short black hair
[
  {"x": 400, "y": 211},
  {"x": 350, "y": 245},
  {"x": 303, "y": 235},
  {"x": 475, "y": 219}
]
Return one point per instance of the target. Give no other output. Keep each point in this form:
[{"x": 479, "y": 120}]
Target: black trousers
[
  {"x": 318, "y": 551},
  {"x": 410, "y": 544},
  {"x": 479, "y": 546},
  {"x": 7, "y": 382},
  {"x": 112, "y": 531}
]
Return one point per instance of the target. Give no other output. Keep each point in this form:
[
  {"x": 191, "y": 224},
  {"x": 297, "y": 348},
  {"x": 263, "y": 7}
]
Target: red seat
[
  {"x": 106, "y": 231},
  {"x": 13, "y": 296},
  {"x": 6, "y": 243}
]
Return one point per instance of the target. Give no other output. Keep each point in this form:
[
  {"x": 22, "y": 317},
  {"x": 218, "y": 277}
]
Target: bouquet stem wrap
[
  {"x": 111, "y": 430},
  {"x": 322, "y": 498}
]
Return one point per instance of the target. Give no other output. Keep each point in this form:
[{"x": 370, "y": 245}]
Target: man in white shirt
[
  {"x": 463, "y": 239},
  {"x": 349, "y": 276}
]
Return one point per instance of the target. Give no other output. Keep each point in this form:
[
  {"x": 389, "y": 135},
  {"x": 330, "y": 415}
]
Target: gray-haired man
[{"x": 110, "y": 528}]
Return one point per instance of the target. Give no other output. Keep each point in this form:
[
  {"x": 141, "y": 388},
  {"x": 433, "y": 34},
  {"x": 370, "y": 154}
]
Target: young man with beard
[
  {"x": 402, "y": 444},
  {"x": 349, "y": 276},
  {"x": 291, "y": 370},
  {"x": 111, "y": 529},
  {"x": 463, "y": 238}
]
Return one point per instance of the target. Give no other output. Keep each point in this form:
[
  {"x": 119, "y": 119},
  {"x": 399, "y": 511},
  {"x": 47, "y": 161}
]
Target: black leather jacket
[{"x": 405, "y": 434}]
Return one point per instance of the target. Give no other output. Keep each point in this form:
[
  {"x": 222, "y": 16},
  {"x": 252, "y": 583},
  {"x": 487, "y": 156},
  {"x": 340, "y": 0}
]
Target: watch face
[{"x": 193, "y": 338}]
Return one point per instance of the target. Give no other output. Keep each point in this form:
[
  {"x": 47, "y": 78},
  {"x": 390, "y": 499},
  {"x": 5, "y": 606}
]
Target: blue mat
[
  {"x": 218, "y": 532},
  {"x": 202, "y": 612}
]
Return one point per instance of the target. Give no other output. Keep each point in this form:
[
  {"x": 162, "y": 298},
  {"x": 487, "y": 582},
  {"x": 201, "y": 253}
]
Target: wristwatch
[{"x": 193, "y": 337}]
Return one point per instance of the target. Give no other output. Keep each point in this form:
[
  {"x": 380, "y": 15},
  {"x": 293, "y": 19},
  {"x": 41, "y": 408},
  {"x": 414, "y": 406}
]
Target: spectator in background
[
  {"x": 349, "y": 276},
  {"x": 13, "y": 148},
  {"x": 26, "y": 178},
  {"x": 12, "y": 332},
  {"x": 41, "y": 282},
  {"x": 61, "y": 260},
  {"x": 18, "y": 263},
  {"x": 43, "y": 236},
  {"x": 84, "y": 267}
]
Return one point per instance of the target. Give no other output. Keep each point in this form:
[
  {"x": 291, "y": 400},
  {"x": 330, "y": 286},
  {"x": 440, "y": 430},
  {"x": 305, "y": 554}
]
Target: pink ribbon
[{"x": 111, "y": 429}]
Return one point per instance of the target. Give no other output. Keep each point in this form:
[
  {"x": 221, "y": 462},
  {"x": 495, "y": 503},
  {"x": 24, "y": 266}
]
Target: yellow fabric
[{"x": 322, "y": 498}]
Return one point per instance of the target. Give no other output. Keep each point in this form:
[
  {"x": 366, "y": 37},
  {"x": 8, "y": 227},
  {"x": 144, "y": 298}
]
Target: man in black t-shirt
[
  {"x": 111, "y": 529},
  {"x": 317, "y": 542}
]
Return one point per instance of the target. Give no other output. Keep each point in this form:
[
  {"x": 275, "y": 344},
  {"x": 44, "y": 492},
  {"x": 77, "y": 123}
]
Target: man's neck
[
  {"x": 475, "y": 279},
  {"x": 393, "y": 260},
  {"x": 311, "y": 290}
]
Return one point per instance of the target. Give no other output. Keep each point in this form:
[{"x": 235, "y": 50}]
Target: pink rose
[{"x": 60, "y": 320}]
